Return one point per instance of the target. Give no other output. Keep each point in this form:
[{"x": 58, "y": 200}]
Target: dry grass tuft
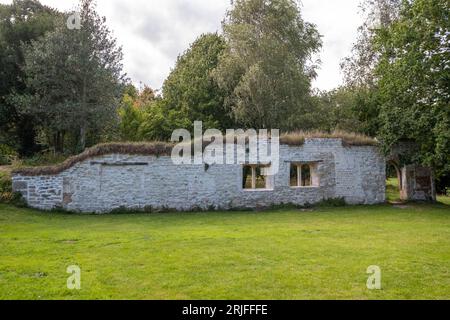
[
  {"x": 165, "y": 149},
  {"x": 348, "y": 138},
  {"x": 152, "y": 148}
]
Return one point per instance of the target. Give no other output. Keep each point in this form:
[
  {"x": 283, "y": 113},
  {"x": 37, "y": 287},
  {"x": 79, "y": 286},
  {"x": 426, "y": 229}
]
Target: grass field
[
  {"x": 285, "y": 254},
  {"x": 320, "y": 253}
]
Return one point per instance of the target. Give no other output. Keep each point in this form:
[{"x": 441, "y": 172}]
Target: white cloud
[
  {"x": 338, "y": 22},
  {"x": 154, "y": 32}
]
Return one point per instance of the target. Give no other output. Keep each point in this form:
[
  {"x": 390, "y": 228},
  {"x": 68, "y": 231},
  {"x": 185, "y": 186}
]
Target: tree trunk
[
  {"x": 59, "y": 142},
  {"x": 82, "y": 138},
  {"x": 55, "y": 142},
  {"x": 84, "y": 113},
  {"x": 26, "y": 132}
]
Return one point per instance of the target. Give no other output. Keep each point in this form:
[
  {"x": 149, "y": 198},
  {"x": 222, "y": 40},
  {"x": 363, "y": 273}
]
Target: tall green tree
[
  {"x": 334, "y": 110},
  {"x": 266, "y": 69},
  {"x": 189, "y": 93},
  {"x": 399, "y": 74},
  {"x": 159, "y": 122},
  {"x": 361, "y": 82},
  {"x": 414, "y": 81},
  {"x": 20, "y": 23},
  {"x": 131, "y": 118},
  {"x": 75, "y": 77},
  {"x": 134, "y": 113},
  {"x": 190, "y": 89}
]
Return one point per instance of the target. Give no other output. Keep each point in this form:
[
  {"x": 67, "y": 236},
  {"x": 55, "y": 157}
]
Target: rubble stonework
[{"x": 122, "y": 181}]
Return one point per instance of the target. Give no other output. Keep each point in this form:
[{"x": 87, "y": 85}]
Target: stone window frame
[
  {"x": 269, "y": 179},
  {"x": 314, "y": 177}
]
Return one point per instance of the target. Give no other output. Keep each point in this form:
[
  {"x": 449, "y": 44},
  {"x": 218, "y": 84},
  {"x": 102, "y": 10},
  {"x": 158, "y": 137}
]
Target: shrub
[
  {"x": 5, "y": 182},
  {"x": 443, "y": 184},
  {"x": 7, "y": 154},
  {"x": 6, "y": 193},
  {"x": 44, "y": 159}
]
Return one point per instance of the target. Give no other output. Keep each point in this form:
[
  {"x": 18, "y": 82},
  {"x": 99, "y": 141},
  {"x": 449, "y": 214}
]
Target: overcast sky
[{"x": 154, "y": 32}]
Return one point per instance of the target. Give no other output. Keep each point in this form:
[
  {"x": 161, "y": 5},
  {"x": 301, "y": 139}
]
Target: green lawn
[
  {"x": 392, "y": 191},
  {"x": 285, "y": 254}
]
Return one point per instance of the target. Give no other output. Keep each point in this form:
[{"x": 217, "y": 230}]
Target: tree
[
  {"x": 21, "y": 22},
  {"x": 189, "y": 94},
  {"x": 134, "y": 110},
  {"x": 190, "y": 90},
  {"x": 399, "y": 75},
  {"x": 131, "y": 118},
  {"x": 359, "y": 67},
  {"x": 159, "y": 122},
  {"x": 414, "y": 81},
  {"x": 265, "y": 67},
  {"x": 145, "y": 97},
  {"x": 334, "y": 110},
  {"x": 75, "y": 77}
]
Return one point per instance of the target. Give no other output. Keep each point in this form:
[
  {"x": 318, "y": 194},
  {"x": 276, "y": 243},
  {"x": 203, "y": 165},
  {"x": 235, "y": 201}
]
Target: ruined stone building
[
  {"x": 144, "y": 177},
  {"x": 416, "y": 182},
  {"x": 139, "y": 178}
]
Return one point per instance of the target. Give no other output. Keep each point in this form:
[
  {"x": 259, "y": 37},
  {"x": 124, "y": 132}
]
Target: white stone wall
[{"x": 116, "y": 181}]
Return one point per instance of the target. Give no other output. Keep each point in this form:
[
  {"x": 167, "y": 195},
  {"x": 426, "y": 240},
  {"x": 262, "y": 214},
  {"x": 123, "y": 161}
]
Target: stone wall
[
  {"x": 115, "y": 181},
  {"x": 417, "y": 184}
]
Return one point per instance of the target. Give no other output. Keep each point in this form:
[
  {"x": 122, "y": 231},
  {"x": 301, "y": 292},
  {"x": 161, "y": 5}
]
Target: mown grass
[
  {"x": 392, "y": 190},
  {"x": 284, "y": 254}
]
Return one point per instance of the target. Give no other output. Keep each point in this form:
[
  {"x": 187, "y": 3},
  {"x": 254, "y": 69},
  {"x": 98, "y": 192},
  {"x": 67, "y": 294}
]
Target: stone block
[{"x": 19, "y": 186}]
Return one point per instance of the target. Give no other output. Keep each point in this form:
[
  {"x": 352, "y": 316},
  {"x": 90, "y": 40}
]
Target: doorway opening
[{"x": 394, "y": 183}]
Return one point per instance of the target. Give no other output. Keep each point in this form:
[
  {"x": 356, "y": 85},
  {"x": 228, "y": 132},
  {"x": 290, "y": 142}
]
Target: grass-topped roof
[{"x": 165, "y": 149}]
